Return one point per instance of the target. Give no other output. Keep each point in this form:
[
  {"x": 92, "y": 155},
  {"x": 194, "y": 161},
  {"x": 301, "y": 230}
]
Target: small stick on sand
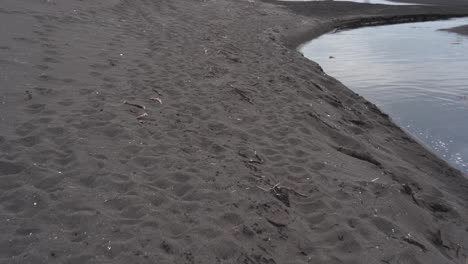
[
  {"x": 258, "y": 159},
  {"x": 275, "y": 186},
  {"x": 136, "y": 105},
  {"x": 156, "y": 99},
  {"x": 142, "y": 116},
  {"x": 243, "y": 95}
]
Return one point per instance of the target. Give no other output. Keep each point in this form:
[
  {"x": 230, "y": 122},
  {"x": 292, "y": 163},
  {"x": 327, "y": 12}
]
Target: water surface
[{"x": 413, "y": 72}]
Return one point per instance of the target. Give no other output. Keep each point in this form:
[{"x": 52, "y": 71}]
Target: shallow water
[
  {"x": 362, "y": 1},
  {"x": 413, "y": 72}
]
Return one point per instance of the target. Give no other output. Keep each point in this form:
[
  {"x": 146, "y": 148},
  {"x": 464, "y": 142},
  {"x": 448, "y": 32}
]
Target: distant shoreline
[
  {"x": 385, "y": 16},
  {"x": 462, "y": 30}
]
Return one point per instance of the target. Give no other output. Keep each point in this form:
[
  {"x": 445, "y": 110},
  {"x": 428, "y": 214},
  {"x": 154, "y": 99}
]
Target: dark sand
[
  {"x": 254, "y": 156},
  {"x": 462, "y": 30}
]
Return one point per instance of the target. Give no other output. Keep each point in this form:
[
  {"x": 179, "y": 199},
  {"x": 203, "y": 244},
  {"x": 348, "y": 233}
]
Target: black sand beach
[{"x": 180, "y": 131}]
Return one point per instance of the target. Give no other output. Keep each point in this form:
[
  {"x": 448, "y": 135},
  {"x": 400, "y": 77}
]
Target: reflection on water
[
  {"x": 413, "y": 72},
  {"x": 385, "y": 2}
]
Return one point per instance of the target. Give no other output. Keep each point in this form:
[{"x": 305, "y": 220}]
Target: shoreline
[
  {"x": 353, "y": 23},
  {"x": 461, "y": 30},
  {"x": 381, "y": 21},
  {"x": 193, "y": 132},
  {"x": 296, "y": 39}
]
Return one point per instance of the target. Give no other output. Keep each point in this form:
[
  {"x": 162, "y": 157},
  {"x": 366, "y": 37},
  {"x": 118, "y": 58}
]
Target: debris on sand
[
  {"x": 142, "y": 116},
  {"x": 136, "y": 105},
  {"x": 156, "y": 99}
]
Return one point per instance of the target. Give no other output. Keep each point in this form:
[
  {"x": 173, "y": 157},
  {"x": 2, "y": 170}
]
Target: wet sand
[{"x": 193, "y": 132}]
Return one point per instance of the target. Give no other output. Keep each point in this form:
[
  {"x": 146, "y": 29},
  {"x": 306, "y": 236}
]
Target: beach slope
[{"x": 176, "y": 131}]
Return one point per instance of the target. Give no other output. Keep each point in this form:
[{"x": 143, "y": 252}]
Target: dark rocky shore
[{"x": 176, "y": 131}]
